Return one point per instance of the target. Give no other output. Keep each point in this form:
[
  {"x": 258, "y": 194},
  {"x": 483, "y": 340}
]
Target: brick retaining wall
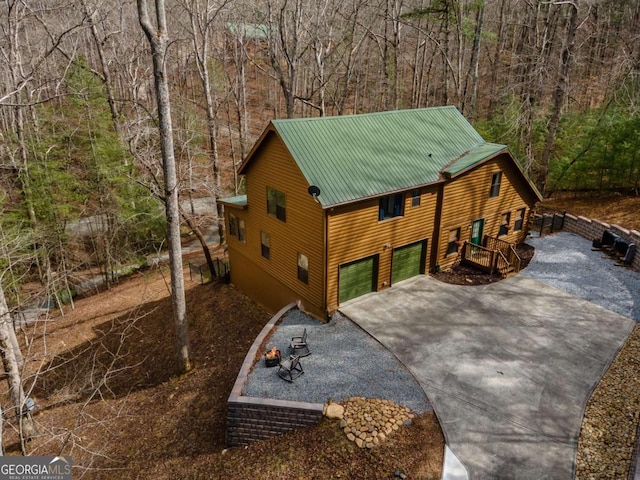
[
  {"x": 592, "y": 229},
  {"x": 251, "y": 418}
]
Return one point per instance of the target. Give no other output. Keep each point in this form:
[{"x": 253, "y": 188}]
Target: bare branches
[{"x": 158, "y": 40}]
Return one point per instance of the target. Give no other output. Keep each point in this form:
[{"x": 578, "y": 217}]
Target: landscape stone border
[
  {"x": 369, "y": 421},
  {"x": 252, "y": 418}
]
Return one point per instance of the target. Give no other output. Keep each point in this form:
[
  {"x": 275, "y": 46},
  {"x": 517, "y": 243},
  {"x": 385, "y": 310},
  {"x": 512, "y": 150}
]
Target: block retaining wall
[
  {"x": 251, "y": 418},
  {"x": 593, "y": 229}
]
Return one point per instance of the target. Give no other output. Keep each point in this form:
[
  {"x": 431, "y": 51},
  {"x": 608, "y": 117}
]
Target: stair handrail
[
  {"x": 516, "y": 260},
  {"x": 505, "y": 260}
]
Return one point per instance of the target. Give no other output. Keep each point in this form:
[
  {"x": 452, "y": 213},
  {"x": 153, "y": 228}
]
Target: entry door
[{"x": 476, "y": 231}]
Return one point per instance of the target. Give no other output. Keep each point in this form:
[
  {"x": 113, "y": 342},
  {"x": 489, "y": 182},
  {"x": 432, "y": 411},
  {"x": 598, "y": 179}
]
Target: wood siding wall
[
  {"x": 466, "y": 198},
  {"x": 355, "y": 233},
  {"x": 303, "y": 232}
]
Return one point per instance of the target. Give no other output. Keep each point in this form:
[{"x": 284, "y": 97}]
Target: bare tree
[
  {"x": 468, "y": 107},
  {"x": 158, "y": 38},
  {"x": 91, "y": 12},
  {"x": 12, "y": 362},
  {"x": 566, "y": 59},
  {"x": 201, "y": 21},
  {"x": 286, "y": 47}
]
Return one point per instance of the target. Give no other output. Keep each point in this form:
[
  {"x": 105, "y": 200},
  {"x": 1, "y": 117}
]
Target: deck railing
[
  {"x": 496, "y": 255},
  {"x": 201, "y": 271},
  {"x": 479, "y": 256}
]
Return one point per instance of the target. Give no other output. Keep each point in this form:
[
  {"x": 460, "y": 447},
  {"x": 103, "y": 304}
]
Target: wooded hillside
[
  {"x": 81, "y": 182},
  {"x": 557, "y": 81}
]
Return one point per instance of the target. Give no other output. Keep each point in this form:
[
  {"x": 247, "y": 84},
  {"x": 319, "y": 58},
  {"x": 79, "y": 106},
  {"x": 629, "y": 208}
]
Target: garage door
[
  {"x": 407, "y": 261},
  {"x": 358, "y": 278}
]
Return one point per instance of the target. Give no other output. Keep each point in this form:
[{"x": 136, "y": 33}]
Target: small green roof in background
[
  {"x": 248, "y": 30},
  {"x": 239, "y": 201},
  {"x": 352, "y": 157}
]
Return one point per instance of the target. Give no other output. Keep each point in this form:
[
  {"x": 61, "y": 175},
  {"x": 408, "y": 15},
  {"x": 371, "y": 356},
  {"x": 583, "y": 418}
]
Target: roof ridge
[
  {"x": 352, "y": 157},
  {"x": 360, "y": 115}
]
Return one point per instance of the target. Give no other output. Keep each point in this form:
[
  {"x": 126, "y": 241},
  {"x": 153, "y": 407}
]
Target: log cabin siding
[
  {"x": 302, "y": 232},
  {"x": 342, "y": 225},
  {"x": 354, "y": 233},
  {"x": 466, "y": 198}
]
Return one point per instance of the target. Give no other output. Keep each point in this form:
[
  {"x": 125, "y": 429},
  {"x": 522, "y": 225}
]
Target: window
[
  {"x": 496, "y": 178},
  {"x": 233, "y": 225},
  {"x": 391, "y": 206},
  {"x": 265, "y": 245},
  {"x": 454, "y": 238},
  {"x": 303, "y": 268},
  {"x": 517, "y": 225},
  {"x": 504, "y": 224},
  {"x": 276, "y": 204},
  {"x": 241, "y": 233},
  {"x": 415, "y": 197}
]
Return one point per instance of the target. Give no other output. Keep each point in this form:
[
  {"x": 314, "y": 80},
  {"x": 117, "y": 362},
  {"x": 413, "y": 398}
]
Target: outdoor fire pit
[{"x": 272, "y": 357}]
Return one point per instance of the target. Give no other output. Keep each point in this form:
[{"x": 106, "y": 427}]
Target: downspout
[
  {"x": 435, "y": 241},
  {"x": 325, "y": 234}
]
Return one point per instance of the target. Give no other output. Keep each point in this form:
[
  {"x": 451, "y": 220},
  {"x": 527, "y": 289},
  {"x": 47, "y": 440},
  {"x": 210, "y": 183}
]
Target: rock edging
[
  {"x": 608, "y": 434},
  {"x": 368, "y": 422}
]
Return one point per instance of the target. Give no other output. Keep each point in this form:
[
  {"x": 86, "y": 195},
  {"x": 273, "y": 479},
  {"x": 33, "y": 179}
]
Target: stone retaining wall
[
  {"x": 593, "y": 229},
  {"x": 251, "y": 418}
]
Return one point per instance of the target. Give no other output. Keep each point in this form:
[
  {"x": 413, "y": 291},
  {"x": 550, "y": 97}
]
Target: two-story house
[{"x": 337, "y": 207}]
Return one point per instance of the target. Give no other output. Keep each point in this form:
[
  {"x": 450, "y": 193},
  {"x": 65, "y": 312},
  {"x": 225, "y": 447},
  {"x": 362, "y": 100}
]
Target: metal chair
[
  {"x": 290, "y": 369},
  {"x": 299, "y": 345}
]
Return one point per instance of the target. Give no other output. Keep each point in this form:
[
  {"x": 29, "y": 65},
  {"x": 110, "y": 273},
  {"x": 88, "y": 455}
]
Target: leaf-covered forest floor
[
  {"x": 109, "y": 395},
  {"x": 617, "y": 208},
  {"x": 108, "y": 392}
]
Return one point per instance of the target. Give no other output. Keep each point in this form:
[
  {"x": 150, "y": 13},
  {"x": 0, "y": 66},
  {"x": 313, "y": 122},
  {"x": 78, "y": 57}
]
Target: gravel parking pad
[
  {"x": 345, "y": 362},
  {"x": 566, "y": 262}
]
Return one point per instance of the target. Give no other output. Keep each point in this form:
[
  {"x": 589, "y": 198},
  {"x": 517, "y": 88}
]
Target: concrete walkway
[{"x": 508, "y": 367}]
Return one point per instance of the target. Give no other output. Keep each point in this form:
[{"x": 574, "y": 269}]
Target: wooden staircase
[{"x": 495, "y": 256}]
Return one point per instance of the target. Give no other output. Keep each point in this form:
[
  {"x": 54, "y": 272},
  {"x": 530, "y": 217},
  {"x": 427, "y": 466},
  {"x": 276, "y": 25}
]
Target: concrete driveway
[{"x": 508, "y": 367}]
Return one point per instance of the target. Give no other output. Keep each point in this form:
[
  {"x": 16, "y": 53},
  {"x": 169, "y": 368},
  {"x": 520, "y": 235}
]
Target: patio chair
[
  {"x": 290, "y": 369},
  {"x": 299, "y": 345}
]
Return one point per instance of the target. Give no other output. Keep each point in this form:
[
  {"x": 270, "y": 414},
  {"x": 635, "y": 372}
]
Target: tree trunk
[
  {"x": 201, "y": 50},
  {"x": 558, "y": 97},
  {"x": 203, "y": 241},
  {"x": 106, "y": 73},
  {"x": 10, "y": 352},
  {"x": 473, "y": 67},
  {"x": 158, "y": 41},
  {"x": 497, "y": 64}
]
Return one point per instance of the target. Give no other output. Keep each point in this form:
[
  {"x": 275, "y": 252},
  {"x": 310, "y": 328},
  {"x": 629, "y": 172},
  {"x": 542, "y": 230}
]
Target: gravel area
[
  {"x": 608, "y": 432},
  {"x": 566, "y": 262},
  {"x": 609, "y": 427},
  {"x": 345, "y": 362}
]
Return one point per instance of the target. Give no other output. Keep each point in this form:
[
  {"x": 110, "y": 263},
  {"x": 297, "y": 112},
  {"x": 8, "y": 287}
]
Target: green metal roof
[
  {"x": 239, "y": 201},
  {"x": 249, "y": 30},
  {"x": 472, "y": 157},
  {"x": 353, "y": 157}
]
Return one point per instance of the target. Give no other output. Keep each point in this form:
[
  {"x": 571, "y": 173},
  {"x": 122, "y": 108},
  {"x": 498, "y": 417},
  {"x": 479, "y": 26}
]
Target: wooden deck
[{"x": 496, "y": 256}]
